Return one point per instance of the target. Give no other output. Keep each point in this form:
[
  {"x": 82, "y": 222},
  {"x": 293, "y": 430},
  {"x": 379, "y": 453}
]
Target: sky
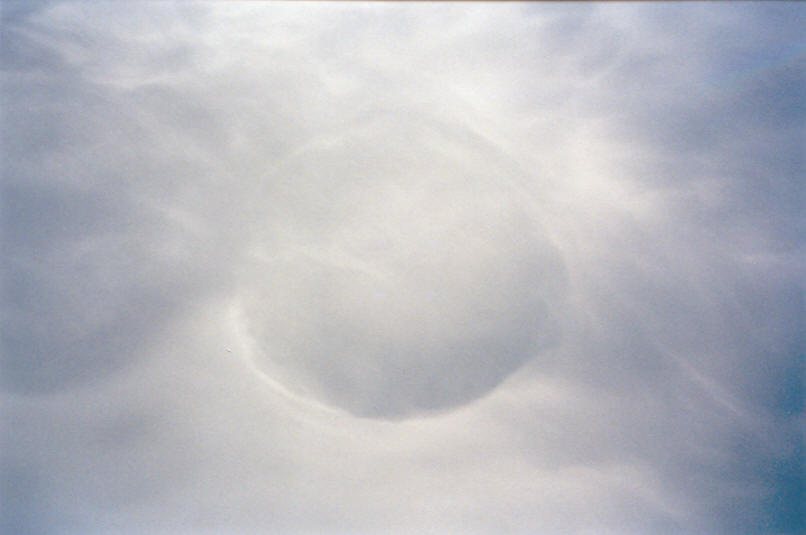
[{"x": 377, "y": 268}]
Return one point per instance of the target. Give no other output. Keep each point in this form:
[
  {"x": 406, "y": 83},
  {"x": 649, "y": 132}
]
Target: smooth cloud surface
[{"x": 344, "y": 268}]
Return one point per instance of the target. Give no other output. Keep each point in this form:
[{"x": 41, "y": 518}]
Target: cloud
[
  {"x": 376, "y": 269},
  {"x": 377, "y": 289}
]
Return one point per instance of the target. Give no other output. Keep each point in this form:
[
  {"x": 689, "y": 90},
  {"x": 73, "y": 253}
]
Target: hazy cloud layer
[{"x": 378, "y": 268}]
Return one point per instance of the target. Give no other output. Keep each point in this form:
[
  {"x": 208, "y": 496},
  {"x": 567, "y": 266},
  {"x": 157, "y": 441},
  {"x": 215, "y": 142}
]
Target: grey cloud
[
  {"x": 97, "y": 258},
  {"x": 355, "y": 269}
]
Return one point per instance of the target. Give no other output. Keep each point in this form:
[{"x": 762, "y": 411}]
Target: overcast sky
[{"x": 356, "y": 268}]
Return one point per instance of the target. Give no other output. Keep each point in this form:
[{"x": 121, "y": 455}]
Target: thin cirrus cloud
[{"x": 385, "y": 268}]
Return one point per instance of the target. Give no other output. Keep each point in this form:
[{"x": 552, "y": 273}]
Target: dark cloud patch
[
  {"x": 16, "y": 11},
  {"x": 26, "y": 507},
  {"x": 93, "y": 264},
  {"x": 97, "y": 254}
]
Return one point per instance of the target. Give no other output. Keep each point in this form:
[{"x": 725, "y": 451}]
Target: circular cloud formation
[{"x": 388, "y": 286}]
